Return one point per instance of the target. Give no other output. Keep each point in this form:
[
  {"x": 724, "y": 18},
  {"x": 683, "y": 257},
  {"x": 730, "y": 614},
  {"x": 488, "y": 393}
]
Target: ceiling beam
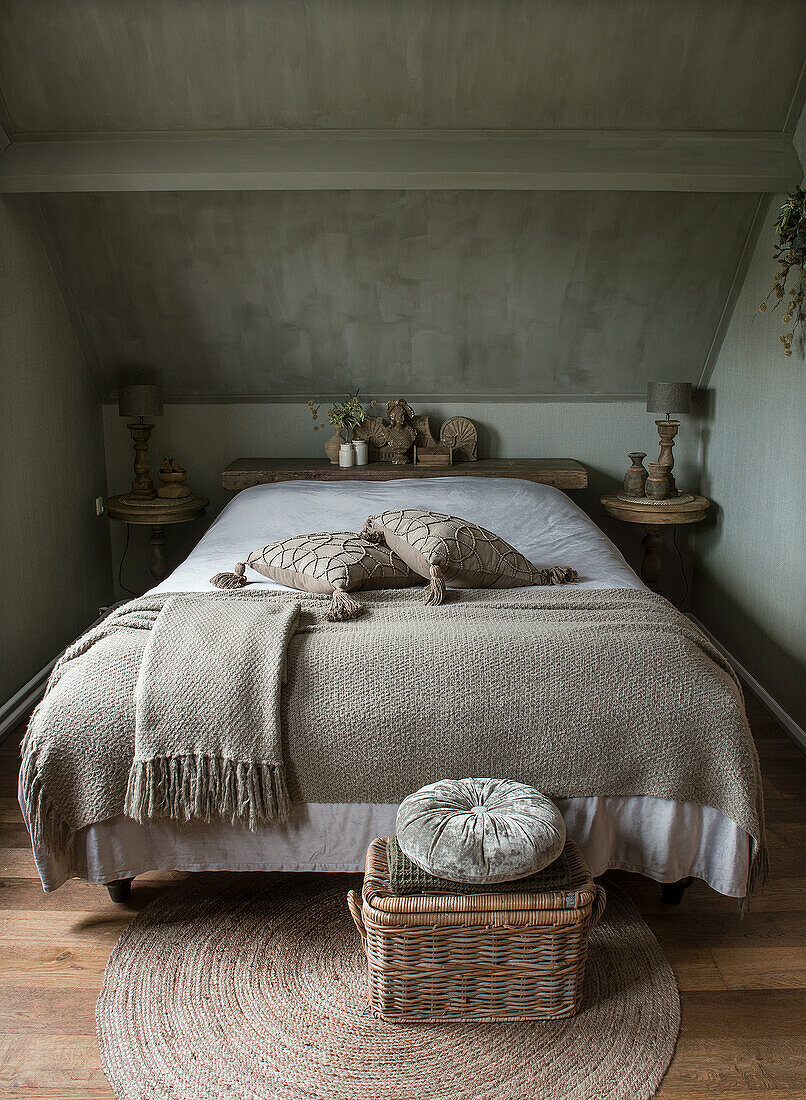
[
  {"x": 383, "y": 159},
  {"x": 502, "y": 397}
]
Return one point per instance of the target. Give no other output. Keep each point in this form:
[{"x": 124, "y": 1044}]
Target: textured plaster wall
[
  {"x": 443, "y": 293},
  {"x": 54, "y": 550},
  {"x": 751, "y": 558}
]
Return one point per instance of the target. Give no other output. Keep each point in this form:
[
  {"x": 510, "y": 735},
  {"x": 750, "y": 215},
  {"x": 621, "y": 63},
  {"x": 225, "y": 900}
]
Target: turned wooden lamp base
[
  {"x": 142, "y": 486},
  {"x": 667, "y": 430}
]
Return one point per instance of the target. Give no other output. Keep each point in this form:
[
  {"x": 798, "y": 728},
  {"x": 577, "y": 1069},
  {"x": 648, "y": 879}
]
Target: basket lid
[{"x": 567, "y": 884}]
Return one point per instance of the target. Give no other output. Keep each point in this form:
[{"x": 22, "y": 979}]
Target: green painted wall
[
  {"x": 751, "y": 559},
  {"x": 54, "y": 550}
]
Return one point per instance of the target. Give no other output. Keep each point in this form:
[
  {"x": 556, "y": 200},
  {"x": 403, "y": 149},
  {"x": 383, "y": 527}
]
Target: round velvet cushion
[{"x": 480, "y": 830}]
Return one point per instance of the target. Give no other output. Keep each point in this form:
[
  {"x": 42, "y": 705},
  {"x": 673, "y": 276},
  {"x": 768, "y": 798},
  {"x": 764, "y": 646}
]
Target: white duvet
[{"x": 539, "y": 520}]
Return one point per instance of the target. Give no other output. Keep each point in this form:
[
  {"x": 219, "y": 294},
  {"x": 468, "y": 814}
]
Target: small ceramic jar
[
  {"x": 346, "y": 455},
  {"x": 361, "y": 449}
]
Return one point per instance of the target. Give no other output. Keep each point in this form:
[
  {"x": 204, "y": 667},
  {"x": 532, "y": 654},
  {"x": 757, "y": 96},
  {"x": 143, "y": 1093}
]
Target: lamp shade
[
  {"x": 140, "y": 400},
  {"x": 668, "y": 397}
]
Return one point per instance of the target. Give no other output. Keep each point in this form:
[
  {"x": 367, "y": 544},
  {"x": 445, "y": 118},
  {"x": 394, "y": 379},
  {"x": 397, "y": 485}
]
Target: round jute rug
[{"x": 237, "y": 987}]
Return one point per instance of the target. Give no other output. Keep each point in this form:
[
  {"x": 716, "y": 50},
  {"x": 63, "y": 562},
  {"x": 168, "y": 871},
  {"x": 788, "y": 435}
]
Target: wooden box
[{"x": 439, "y": 455}]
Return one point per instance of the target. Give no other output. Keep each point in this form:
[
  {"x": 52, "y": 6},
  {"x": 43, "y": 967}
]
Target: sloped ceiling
[
  {"x": 437, "y": 292},
  {"x": 510, "y": 294},
  {"x": 133, "y": 65}
]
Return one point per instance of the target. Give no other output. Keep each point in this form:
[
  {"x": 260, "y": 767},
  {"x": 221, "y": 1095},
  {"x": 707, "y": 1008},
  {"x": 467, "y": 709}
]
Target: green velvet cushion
[{"x": 480, "y": 830}]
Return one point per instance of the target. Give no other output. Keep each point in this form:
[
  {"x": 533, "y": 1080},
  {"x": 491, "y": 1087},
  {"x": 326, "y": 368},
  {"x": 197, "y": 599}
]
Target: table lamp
[
  {"x": 668, "y": 397},
  {"x": 141, "y": 402}
]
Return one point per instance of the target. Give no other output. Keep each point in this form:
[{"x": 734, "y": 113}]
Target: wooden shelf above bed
[{"x": 565, "y": 473}]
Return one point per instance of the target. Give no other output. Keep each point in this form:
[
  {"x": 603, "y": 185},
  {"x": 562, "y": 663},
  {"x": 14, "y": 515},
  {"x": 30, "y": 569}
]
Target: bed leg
[
  {"x": 672, "y": 892},
  {"x": 120, "y": 890}
]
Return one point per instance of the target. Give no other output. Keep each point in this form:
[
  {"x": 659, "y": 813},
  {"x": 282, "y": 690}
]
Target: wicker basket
[{"x": 478, "y": 956}]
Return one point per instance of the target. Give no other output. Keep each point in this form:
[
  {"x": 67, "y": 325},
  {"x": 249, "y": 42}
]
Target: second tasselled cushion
[
  {"x": 456, "y": 553},
  {"x": 330, "y": 561}
]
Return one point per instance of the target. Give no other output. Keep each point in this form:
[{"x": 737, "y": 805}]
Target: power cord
[
  {"x": 682, "y": 566},
  {"x": 122, "y": 559}
]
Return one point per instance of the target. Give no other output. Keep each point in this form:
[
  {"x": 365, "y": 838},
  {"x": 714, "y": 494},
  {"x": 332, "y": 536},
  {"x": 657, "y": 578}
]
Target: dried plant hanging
[
  {"x": 791, "y": 255},
  {"x": 341, "y": 414}
]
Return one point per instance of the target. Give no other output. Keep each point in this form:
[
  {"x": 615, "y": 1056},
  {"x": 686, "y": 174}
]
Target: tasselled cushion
[
  {"x": 480, "y": 830},
  {"x": 330, "y": 561},
  {"x": 456, "y": 553}
]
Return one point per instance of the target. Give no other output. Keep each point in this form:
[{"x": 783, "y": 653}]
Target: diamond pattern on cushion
[
  {"x": 467, "y": 555},
  {"x": 330, "y": 560}
]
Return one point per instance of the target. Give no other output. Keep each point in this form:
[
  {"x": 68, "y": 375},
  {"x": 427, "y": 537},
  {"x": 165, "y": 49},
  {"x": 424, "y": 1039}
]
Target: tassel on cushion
[
  {"x": 343, "y": 606},
  {"x": 558, "y": 574},
  {"x": 434, "y": 593},
  {"x": 235, "y": 579},
  {"x": 369, "y": 533}
]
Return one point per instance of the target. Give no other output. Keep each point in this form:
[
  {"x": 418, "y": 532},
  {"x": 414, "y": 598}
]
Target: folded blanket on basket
[
  {"x": 407, "y": 879},
  {"x": 577, "y": 692}
]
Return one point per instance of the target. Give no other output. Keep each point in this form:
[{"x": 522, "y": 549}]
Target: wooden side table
[
  {"x": 653, "y": 518},
  {"x": 157, "y": 513}
]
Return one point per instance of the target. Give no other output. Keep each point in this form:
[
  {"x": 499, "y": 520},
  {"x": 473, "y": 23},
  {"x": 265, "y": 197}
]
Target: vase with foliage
[
  {"x": 344, "y": 416},
  {"x": 333, "y": 446},
  {"x": 791, "y": 255}
]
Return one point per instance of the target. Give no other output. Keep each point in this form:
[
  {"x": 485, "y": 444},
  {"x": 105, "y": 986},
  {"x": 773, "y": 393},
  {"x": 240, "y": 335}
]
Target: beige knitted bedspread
[{"x": 578, "y": 692}]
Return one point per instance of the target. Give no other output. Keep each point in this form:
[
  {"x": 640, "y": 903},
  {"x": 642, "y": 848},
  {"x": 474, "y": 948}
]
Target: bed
[{"x": 664, "y": 839}]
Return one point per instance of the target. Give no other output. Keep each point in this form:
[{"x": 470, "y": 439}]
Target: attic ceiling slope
[
  {"x": 285, "y": 293},
  {"x": 173, "y": 65}
]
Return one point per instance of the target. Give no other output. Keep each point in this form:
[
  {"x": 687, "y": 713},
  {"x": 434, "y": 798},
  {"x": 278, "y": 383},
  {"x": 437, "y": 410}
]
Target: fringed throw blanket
[
  {"x": 205, "y": 714},
  {"x": 578, "y": 692},
  {"x": 208, "y": 741}
]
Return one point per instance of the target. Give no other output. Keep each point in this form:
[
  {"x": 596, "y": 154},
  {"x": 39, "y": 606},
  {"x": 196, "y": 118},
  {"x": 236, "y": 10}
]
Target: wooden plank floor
[{"x": 743, "y": 982}]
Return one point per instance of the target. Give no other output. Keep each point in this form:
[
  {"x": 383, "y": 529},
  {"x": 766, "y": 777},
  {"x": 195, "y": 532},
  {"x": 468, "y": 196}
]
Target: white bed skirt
[{"x": 663, "y": 840}]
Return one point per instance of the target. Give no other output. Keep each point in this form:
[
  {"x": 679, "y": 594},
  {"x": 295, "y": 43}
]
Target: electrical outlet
[{"x": 99, "y": 506}]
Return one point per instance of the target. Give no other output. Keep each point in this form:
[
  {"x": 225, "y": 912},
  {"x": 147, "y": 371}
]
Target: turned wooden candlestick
[{"x": 667, "y": 430}]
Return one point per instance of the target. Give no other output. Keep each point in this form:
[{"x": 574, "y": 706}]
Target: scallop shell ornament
[{"x": 462, "y": 433}]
